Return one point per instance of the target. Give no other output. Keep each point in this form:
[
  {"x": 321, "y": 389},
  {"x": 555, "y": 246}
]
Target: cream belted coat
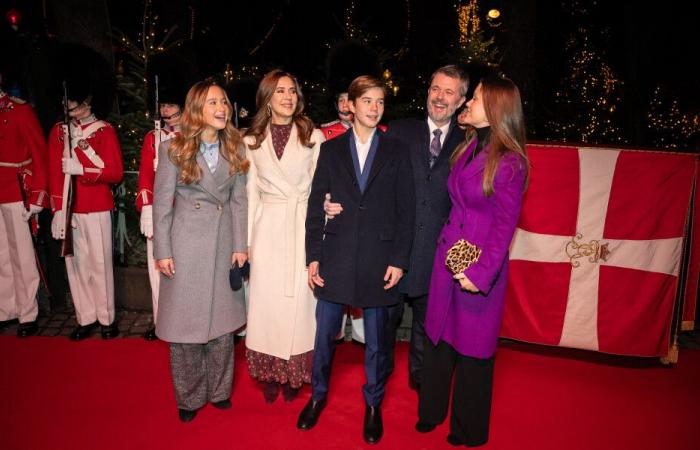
[{"x": 282, "y": 307}]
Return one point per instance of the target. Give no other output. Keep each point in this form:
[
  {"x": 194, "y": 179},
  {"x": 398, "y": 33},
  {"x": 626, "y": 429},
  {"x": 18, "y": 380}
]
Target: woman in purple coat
[{"x": 465, "y": 307}]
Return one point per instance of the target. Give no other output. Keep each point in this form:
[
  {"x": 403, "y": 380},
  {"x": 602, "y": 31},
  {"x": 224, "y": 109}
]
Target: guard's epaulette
[
  {"x": 330, "y": 124},
  {"x": 18, "y": 100}
]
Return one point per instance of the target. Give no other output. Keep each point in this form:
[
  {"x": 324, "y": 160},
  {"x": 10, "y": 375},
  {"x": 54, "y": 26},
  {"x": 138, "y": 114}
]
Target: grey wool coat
[{"x": 199, "y": 225}]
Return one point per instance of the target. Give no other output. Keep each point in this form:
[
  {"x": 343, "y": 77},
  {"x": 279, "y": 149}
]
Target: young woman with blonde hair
[{"x": 199, "y": 215}]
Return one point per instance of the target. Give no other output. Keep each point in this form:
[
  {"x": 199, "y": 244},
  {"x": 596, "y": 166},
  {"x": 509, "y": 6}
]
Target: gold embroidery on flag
[{"x": 594, "y": 250}]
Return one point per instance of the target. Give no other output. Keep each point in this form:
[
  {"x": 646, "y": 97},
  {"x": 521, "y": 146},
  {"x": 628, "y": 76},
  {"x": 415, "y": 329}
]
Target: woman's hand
[
  {"x": 166, "y": 267},
  {"x": 314, "y": 278},
  {"x": 466, "y": 284},
  {"x": 239, "y": 258}
]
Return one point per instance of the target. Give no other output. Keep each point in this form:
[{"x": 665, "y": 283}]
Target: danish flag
[{"x": 596, "y": 257}]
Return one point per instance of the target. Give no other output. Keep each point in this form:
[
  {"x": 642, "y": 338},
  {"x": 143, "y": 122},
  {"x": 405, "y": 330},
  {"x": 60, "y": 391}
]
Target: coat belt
[{"x": 290, "y": 227}]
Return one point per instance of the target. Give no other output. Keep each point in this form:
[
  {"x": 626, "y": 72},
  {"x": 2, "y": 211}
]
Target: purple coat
[{"x": 470, "y": 322}]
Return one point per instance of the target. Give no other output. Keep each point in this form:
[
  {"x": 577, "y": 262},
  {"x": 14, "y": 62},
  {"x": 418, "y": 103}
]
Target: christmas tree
[{"x": 586, "y": 102}]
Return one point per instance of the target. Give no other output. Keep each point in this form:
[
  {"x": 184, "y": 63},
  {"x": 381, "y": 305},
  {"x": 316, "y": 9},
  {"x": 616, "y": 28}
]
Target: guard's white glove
[
  {"x": 72, "y": 166},
  {"x": 57, "y": 225},
  {"x": 147, "y": 221},
  {"x": 28, "y": 213}
]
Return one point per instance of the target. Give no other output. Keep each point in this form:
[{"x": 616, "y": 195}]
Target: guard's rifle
[
  {"x": 156, "y": 126},
  {"x": 67, "y": 202}
]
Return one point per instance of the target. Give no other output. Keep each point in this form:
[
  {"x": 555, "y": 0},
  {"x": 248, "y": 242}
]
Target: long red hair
[{"x": 504, "y": 111}]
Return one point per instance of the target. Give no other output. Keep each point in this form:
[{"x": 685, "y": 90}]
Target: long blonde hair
[
  {"x": 504, "y": 111},
  {"x": 261, "y": 120},
  {"x": 184, "y": 149}
]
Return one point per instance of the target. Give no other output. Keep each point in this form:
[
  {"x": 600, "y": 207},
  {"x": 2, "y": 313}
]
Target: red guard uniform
[
  {"x": 334, "y": 129},
  {"x": 23, "y": 152},
  {"x": 147, "y": 175},
  {"x": 90, "y": 276}
]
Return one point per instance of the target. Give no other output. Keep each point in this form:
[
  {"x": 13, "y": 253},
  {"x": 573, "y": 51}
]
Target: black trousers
[
  {"x": 471, "y": 396},
  {"x": 415, "y": 349}
]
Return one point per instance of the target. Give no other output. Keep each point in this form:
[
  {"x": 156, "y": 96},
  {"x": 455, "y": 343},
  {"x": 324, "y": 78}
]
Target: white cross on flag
[{"x": 595, "y": 260}]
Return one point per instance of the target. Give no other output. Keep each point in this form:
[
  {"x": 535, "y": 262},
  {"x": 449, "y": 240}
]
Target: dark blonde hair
[
  {"x": 184, "y": 148},
  {"x": 504, "y": 111},
  {"x": 261, "y": 120},
  {"x": 362, "y": 84}
]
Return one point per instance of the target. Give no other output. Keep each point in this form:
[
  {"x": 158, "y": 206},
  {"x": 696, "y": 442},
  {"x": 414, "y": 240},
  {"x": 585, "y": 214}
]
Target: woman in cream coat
[{"x": 282, "y": 147}]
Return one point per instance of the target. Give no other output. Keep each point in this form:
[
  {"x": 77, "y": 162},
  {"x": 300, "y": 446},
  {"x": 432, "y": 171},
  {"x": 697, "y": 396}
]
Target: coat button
[
  {"x": 219, "y": 207},
  {"x": 197, "y": 205}
]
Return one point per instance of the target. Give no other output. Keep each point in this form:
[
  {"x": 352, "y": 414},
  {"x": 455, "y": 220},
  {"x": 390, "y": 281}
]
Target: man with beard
[{"x": 429, "y": 141}]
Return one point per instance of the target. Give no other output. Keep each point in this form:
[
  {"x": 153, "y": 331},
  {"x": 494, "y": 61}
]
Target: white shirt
[
  {"x": 363, "y": 149},
  {"x": 432, "y": 127}
]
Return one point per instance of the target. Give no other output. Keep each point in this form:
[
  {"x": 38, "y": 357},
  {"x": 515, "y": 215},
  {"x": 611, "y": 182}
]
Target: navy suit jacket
[
  {"x": 374, "y": 230},
  {"x": 433, "y": 203}
]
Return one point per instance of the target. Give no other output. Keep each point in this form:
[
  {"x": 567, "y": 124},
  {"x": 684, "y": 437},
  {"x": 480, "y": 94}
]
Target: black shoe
[
  {"x": 186, "y": 415},
  {"x": 222, "y": 404},
  {"x": 27, "y": 329},
  {"x": 424, "y": 427},
  {"x": 310, "y": 414},
  {"x": 289, "y": 393},
  {"x": 6, "y": 323},
  {"x": 454, "y": 440},
  {"x": 83, "y": 331},
  {"x": 271, "y": 391},
  {"x": 110, "y": 331},
  {"x": 374, "y": 428},
  {"x": 150, "y": 334}
]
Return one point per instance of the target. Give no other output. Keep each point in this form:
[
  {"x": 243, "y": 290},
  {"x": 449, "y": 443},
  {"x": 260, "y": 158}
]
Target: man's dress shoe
[
  {"x": 310, "y": 414},
  {"x": 373, "y": 428},
  {"x": 150, "y": 334},
  {"x": 110, "y": 331},
  {"x": 424, "y": 427},
  {"x": 83, "y": 331},
  {"x": 27, "y": 329}
]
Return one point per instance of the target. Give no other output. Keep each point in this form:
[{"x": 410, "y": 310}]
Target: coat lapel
[
  {"x": 208, "y": 183},
  {"x": 476, "y": 165}
]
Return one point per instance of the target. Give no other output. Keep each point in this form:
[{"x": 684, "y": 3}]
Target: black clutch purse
[{"x": 236, "y": 274}]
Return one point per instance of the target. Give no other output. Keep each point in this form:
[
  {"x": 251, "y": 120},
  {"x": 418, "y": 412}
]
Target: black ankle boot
[
  {"x": 270, "y": 391},
  {"x": 289, "y": 393}
]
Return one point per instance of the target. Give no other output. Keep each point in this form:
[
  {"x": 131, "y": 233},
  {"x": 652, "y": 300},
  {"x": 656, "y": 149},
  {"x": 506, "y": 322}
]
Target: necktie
[{"x": 435, "y": 146}]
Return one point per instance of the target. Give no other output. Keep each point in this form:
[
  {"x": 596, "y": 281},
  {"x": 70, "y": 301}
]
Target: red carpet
[{"x": 57, "y": 394}]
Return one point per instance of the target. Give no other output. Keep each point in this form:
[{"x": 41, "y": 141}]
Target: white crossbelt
[{"x": 16, "y": 165}]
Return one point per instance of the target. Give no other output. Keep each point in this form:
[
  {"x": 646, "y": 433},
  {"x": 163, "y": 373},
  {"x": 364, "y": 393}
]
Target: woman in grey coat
[{"x": 200, "y": 226}]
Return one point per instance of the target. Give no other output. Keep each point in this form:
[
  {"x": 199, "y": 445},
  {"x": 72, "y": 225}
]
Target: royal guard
[
  {"x": 23, "y": 178},
  {"x": 167, "y": 89},
  {"x": 85, "y": 161},
  {"x": 344, "y": 120}
]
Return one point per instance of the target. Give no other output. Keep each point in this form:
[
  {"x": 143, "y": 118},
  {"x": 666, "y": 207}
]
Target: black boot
[
  {"x": 270, "y": 391},
  {"x": 310, "y": 414},
  {"x": 289, "y": 393},
  {"x": 373, "y": 427}
]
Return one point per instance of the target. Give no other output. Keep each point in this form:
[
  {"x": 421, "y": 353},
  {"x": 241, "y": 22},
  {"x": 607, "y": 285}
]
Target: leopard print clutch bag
[{"x": 461, "y": 255}]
